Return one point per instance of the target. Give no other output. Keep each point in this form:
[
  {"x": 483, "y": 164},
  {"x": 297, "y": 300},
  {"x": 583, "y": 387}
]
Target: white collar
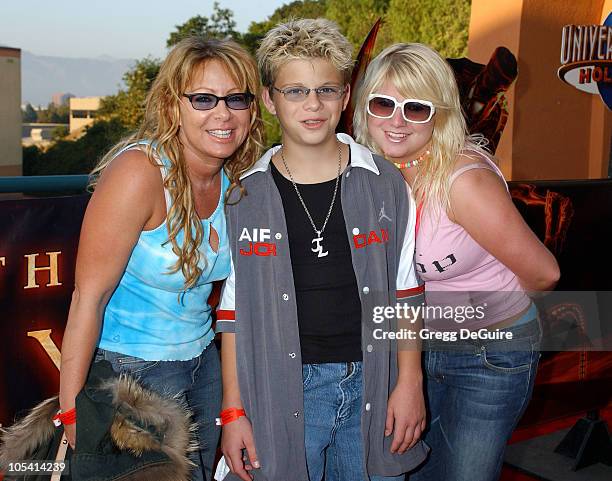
[{"x": 360, "y": 157}]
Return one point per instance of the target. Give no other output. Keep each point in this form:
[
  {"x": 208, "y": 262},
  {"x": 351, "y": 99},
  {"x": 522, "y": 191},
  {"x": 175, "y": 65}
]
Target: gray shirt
[{"x": 258, "y": 304}]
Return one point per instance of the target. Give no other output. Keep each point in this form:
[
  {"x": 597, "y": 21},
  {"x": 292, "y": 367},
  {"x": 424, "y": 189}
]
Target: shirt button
[
  {"x": 355, "y": 231},
  {"x": 367, "y": 406},
  {"x": 285, "y": 297},
  {"x": 296, "y": 414},
  {"x": 369, "y": 348},
  {"x": 348, "y": 173},
  {"x": 292, "y": 355},
  {"x": 278, "y": 235},
  {"x": 366, "y": 290}
]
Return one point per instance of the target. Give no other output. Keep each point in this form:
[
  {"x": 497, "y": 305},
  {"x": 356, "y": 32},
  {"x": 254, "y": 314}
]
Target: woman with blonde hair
[
  {"x": 154, "y": 236},
  {"x": 475, "y": 253}
]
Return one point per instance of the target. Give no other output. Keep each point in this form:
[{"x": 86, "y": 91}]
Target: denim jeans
[
  {"x": 477, "y": 391},
  {"x": 196, "y": 382},
  {"x": 332, "y": 422}
]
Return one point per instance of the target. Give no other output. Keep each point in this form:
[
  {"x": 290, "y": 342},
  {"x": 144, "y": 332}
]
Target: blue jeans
[
  {"x": 196, "y": 382},
  {"x": 332, "y": 422},
  {"x": 477, "y": 392}
]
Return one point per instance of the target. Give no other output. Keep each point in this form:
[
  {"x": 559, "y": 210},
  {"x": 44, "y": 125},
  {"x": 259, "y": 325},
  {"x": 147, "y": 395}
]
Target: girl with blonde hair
[
  {"x": 474, "y": 252},
  {"x": 154, "y": 236}
]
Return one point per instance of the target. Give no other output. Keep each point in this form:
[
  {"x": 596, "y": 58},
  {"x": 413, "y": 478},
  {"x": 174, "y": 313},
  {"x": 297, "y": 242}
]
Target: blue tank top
[{"x": 150, "y": 315}]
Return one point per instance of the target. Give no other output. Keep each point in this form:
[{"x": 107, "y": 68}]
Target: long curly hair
[{"x": 160, "y": 128}]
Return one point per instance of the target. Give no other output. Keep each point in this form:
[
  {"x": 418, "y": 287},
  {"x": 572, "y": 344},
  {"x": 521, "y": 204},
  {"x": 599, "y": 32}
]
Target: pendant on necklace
[{"x": 318, "y": 249}]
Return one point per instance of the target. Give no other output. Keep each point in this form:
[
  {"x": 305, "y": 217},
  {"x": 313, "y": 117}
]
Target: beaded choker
[{"x": 412, "y": 163}]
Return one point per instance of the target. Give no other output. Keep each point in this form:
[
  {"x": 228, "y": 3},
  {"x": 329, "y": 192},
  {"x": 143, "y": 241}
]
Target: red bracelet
[
  {"x": 65, "y": 418},
  {"x": 230, "y": 415}
]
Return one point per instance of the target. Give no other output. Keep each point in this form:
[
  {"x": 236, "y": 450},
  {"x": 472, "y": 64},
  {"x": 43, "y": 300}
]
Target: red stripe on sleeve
[
  {"x": 410, "y": 292},
  {"x": 226, "y": 315}
]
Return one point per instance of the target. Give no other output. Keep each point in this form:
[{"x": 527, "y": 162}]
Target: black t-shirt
[{"x": 328, "y": 304}]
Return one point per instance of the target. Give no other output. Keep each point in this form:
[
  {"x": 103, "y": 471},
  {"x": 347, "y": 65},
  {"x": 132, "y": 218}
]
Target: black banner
[{"x": 38, "y": 243}]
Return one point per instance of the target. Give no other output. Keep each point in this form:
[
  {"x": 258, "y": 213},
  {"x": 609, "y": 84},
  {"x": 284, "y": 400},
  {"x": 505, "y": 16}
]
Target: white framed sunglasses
[{"x": 413, "y": 110}]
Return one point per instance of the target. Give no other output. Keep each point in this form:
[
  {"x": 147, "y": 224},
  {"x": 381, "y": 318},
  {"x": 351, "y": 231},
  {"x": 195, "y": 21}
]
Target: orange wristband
[
  {"x": 230, "y": 415},
  {"x": 69, "y": 417}
]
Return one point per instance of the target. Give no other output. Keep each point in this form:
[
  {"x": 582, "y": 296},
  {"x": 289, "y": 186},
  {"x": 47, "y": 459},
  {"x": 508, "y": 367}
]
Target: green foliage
[
  {"x": 295, "y": 9},
  {"x": 221, "y": 24},
  {"x": 356, "y": 18},
  {"x": 29, "y": 115},
  {"x": 127, "y": 106},
  {"x": 31, "y": 160},
  {"x": 271, "y": 127},
  {"x": 53, "y": 114},
  {"x": 59, "y": 132},
  {"x": 442, "y": 24},
  {"x": 74, "y": 157}
]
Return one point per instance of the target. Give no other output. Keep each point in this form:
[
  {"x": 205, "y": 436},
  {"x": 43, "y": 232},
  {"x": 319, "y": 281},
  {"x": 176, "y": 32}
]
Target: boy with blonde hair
[{"x": 319, "y": 241}]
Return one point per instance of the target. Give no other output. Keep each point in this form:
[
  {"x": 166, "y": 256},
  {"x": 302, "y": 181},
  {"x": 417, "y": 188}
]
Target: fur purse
[{"x": 124, "y": 431}]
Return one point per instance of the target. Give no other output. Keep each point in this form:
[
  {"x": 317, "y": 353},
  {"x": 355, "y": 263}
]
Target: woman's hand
[
  {"x": 238, "y": 435},
  {"x": 405, "y": 415}
]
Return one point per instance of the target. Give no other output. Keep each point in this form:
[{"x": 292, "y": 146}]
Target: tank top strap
[
  {"x": 465, "y": 168},
  {"x": 488, "y": 165},
  {"x": 164, "y": 164},
  {"x": 215, "y": 219}
]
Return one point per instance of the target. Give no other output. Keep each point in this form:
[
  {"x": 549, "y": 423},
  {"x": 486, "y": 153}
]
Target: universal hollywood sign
[{"x": 586, "y": 58}]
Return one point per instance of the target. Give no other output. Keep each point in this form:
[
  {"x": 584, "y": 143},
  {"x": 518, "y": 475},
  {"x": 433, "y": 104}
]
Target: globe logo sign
[{"x": 586, "y": 58}]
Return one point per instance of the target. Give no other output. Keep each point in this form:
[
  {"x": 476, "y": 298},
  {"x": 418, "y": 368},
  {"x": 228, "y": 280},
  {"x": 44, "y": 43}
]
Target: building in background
[
  {"x": 41, "y": 134},
  {"x": 83, "y": 112},
  {"x": 554, "y": 131},
  {"x": 10, "y": 111},
  {"x": 60, "y": 98}
]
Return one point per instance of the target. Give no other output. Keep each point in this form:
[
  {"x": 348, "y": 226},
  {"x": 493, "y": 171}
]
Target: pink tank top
[{"x": 465, "y": 286}]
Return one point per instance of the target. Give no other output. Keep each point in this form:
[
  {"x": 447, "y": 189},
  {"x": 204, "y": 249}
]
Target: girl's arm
[{"x": 481, "y": 204}]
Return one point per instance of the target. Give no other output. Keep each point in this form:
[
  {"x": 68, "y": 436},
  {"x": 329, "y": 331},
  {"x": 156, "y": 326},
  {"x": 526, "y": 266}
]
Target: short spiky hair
[{"x": 303, "y": 39}]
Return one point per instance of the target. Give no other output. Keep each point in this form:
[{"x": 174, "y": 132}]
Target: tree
[
  {"x": 442, "y": 24},
  {"x": 28, "y": 115},
  {"x": 127, "y": 106},
  {"x": 74, "y": 156},
  {"x": 59, "y": 132},
  {"x": 356, "y": 17},
  {"x": 54, "y": 114},
  {"x": 221, "y": 24},
  {"x": 295, "y": 9}
]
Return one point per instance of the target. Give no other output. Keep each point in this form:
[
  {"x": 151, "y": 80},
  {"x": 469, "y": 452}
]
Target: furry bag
[{"x": 124, "y": 432}]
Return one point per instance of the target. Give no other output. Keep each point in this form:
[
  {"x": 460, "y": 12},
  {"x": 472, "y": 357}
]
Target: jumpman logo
[{"x": 382, "y": 214}]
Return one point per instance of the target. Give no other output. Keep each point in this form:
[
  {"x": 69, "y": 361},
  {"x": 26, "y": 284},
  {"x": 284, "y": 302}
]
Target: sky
[{"x": 115, "y": 28}]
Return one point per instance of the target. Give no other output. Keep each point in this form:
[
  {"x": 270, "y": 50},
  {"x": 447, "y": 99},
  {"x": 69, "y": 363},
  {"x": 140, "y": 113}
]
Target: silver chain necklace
[{"x": 318, "y": 247}]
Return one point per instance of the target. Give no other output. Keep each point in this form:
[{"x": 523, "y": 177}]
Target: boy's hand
[
  {"x": 238, "y": 435},
  {"x": 405, "y": 416},
  {"x": 70, "y": 432}
]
